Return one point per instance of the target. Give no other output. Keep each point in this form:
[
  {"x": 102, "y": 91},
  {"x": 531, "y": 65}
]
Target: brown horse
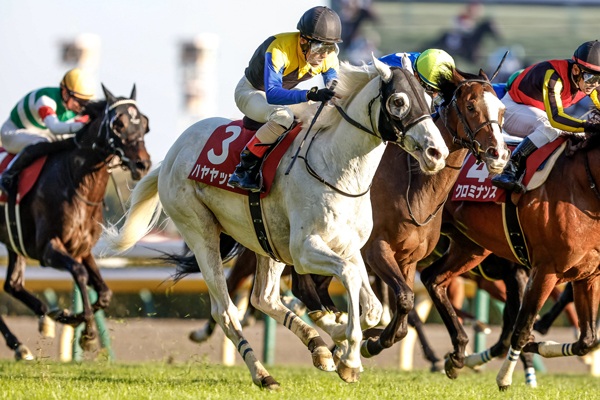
[
  {"x": 560, "y": 221},
  {"x": 406, "y": 208},
  {"x": 61, "y": 216}
]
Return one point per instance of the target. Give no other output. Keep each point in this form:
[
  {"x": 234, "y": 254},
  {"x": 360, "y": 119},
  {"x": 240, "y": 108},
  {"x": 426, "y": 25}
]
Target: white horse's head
[{"x": 404, "y": 117}]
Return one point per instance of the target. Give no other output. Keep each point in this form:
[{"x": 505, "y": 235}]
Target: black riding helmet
[
  {"x": 587, "y": 56},
  {"x": 322, "y": 24}
]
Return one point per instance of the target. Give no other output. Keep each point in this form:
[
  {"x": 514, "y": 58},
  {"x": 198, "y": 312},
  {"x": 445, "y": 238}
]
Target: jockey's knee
[{"x": 283, "y": 116}]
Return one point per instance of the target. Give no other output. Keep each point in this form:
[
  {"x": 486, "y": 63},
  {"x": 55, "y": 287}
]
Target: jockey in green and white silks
[
  {"x": 267, "y": 89},
  {"x": 42, "y": 119}
]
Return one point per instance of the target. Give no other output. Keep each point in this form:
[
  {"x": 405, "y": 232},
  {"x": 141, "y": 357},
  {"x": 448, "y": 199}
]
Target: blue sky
[{"x": 139, "y": 44}]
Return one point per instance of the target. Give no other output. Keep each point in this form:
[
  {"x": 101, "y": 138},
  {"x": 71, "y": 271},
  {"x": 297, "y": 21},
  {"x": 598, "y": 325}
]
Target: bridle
[
  {"x": 470, "y": 143},
  {"x": 112, "y": 138},
  {"x": 398, "y": 127}
]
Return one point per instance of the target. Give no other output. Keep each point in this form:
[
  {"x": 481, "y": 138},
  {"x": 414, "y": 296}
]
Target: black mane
[{"x": 95, "y": 109}]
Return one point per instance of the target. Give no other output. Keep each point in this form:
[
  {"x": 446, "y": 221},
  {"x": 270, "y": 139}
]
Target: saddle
[{"x": 27, "y": 178}]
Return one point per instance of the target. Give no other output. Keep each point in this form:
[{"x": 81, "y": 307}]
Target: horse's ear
[
  {"x": 384, "y": 71},
  {"x": 133, "y": 93},
  {"x": 482, "y": 74},
  {"x": 110, "y": 98},
  {"x": 457, "y": 78}
]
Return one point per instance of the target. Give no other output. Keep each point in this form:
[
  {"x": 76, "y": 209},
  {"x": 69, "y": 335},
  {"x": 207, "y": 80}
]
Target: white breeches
[
  {"x": 14, "y": 139},
  {"x": 522, "y": 120},
  {"x": 253, "y": 103}
]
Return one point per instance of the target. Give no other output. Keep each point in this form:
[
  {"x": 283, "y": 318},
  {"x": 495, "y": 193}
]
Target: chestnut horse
[
  {"x": 61, "y": 216},
  {"x": 560, "y": 221}
]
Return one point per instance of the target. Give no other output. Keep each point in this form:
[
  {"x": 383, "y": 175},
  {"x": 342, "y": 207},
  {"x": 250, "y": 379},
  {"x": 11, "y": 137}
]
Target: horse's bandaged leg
[
  {"x": 530, "y": 378},
  {"x": 504, "y": 377},
  {"x": 477, "y": 359},
  {"x": 553, "y": 349}
]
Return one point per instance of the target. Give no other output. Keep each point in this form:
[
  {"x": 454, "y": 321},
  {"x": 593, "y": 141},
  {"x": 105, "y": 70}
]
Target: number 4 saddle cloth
[
  {"x": 474, "y": 182},
  {"x": 221, "y": 155},
  {"x": 27, "y": 178}
]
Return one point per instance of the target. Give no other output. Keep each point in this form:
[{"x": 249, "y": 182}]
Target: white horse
[{"x": 314, "y": 227}]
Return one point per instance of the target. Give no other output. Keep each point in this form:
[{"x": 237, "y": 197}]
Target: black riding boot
[
  {"x": 510, "y": 179},
  {"x": 246, "y": 175},
  {"x": 10, "y": 177}
]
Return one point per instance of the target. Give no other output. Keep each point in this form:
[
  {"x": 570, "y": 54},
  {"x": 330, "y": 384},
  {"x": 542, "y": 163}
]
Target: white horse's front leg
[
  {"x": 266, "y": 297},
  {"x": 318, "y": 258}
]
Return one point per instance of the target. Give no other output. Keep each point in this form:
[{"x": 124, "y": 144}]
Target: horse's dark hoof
[
  {"x": 22, "y": 353},
  {"x": 504, "y": 388},
  {"x": 451, "y": 370},
  {"x": 269, "y": 383},
  {"x": 88, "y": 342}
]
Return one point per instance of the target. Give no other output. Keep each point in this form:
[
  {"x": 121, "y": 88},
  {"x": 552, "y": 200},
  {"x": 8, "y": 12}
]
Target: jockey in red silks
[
  {"x": 276, "y": 68},
  {"x": 535, "y": 103}
]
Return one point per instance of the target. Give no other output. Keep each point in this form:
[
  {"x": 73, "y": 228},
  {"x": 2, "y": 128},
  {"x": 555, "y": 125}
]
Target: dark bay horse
[
  {"x": 61, "y": 216},
  {"x": 561, "y": 222}
]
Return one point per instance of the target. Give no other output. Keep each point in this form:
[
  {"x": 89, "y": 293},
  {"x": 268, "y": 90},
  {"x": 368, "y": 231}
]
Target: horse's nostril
[
  {"x": 434, "y": 154},
  {"x": 141, "y": 165}
]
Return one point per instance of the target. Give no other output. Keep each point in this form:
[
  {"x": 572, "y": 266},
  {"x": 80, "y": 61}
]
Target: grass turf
[{"x": 49, "y": 380}]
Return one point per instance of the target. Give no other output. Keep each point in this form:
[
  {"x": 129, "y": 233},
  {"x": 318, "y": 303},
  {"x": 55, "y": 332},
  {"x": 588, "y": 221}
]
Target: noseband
[
  {"x": 398, "y": 127},
  {"x": 471, "y": 143}
]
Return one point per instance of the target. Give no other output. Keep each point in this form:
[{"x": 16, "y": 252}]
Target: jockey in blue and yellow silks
[
  {"x": 535, "y": 106},
  {"x": 276, "y": 67},
  {"x": 41, "y": 120}
]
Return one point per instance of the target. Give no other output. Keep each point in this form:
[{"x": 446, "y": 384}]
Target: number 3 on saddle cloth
[
  {"x": 27, "y": 178},
  {"x": 474, "y": 183},
  {"x": 221, "y": 155}
]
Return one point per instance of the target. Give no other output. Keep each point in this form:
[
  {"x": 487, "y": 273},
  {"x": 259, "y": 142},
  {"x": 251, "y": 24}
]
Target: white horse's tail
[{"x": 144, "y": 212}]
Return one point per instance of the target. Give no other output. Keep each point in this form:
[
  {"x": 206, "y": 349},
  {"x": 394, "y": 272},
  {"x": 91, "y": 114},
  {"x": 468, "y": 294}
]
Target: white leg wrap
[
  {"x": 553, "y": 349},
  {"x": 504, "y": 377},
  {"x": 530, "y": 379},
  {"x": 477, "y": 359}
]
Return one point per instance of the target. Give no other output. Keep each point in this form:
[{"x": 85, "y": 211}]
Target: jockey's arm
[
  {"x": 273, "y": 77},
  {"x": 46, "y": 108},
  {"x": 552, "y": 89}
]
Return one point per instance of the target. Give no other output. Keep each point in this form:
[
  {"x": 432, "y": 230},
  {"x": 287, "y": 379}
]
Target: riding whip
[
  {"x": 331, "y": 87},
  {"x": 499, "y": 66}
]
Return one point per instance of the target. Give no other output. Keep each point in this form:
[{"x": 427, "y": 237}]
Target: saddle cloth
[
  {"x": 474, "y": 182},
  {"x": 27, "y": 178},
  {"x": 221, "y": 155}
]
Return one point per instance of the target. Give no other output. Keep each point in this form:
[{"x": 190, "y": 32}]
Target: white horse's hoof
[
  {"x": 348, "y": 374},
  {"x": 22, "y": 353},
  {"x": 341, "y": 318},
  {"x": 47, "y": 327}
]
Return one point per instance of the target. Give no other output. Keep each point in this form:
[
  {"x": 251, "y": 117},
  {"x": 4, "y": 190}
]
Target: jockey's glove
[
  {"x": 591, "y": 127},
  {"x": 316, "y": 94}
]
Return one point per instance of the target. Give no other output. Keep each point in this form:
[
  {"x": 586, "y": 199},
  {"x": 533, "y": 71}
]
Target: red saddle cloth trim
[
  {"x": 27, "y": 178},
  {"x": 221, "y": 155},
  {"x": 474, "y": 182}
]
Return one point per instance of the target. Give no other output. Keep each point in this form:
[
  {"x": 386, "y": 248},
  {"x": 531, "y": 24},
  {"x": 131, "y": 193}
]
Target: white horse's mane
[{"x": 352, "y": 79}]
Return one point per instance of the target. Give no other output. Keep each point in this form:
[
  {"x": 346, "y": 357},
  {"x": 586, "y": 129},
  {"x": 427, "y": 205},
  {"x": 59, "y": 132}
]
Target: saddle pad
[
  {"x": 221, "y": 155},
  {"x": 27, "y": 178},
  {"x": 474, "y": 182}
]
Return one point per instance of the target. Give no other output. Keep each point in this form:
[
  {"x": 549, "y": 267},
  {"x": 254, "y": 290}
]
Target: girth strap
[
  {"x": 259, "y": 224},
  {"x": 514, "y": 232}
]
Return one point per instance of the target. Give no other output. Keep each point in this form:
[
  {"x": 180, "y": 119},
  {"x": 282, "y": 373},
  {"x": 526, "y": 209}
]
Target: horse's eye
[{"x": 470, "y": 108}]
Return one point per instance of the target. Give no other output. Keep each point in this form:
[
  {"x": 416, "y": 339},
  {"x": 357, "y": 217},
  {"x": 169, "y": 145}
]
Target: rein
[
  {"x": 432, "y": 216},
  {"x": 470, "y": 143},
  {"x": 399, "y": 131},
  {"x": 107, "y": 126}
]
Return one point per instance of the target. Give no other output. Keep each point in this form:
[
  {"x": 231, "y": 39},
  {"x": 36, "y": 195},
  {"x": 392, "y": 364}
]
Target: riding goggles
[
  {"x": 323, "y": 48},
  {"x": 591, "y": 79}
]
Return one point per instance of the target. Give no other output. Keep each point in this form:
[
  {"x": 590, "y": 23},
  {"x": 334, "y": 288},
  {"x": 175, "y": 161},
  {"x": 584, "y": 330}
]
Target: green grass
[{"x": 48, "y": 380}]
